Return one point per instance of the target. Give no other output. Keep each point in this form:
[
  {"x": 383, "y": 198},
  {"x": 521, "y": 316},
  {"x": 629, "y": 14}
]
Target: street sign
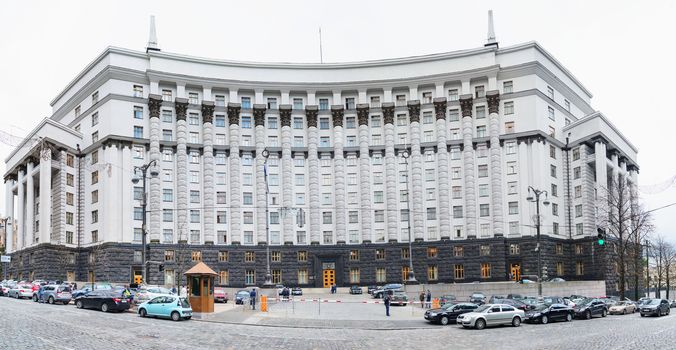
[{"x": 5, "y": 258}]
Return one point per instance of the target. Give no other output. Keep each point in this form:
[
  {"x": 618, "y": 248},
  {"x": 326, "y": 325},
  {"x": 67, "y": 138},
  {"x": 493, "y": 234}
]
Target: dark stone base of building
[{"x": 118, "y": 263}]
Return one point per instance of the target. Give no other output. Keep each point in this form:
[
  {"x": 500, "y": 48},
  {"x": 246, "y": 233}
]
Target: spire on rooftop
[
  {"x": 490, "y": 40},
  {"x": 152, "y": 38}
]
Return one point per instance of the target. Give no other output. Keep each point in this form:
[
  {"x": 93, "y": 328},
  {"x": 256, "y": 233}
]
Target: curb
[{"x": 310, "y": 327}]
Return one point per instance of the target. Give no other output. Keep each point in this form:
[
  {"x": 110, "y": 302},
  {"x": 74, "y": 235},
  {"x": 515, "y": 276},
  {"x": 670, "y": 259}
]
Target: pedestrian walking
[
  {"x": 252, "y": 299},
  {"x": 387, "y": 304},
  {"x": 173, "y": 290},
  {"x": 428, "y": 299},
  {"x": 184, "y": 292},
  {"x": 422, "y": 300}
]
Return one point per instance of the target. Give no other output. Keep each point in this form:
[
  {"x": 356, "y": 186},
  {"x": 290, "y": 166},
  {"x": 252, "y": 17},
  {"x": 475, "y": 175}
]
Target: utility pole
[
  {"x": 143, "y": 169},
  {"x": 534, "y": 196}
]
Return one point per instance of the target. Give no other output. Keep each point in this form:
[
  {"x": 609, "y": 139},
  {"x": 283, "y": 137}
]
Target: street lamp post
[
  {"x": 268, "y": 275},
  {"x": 143, "y": 169},
  {"x": 411, "y": 276},
  {"x": 534, "y": 196}
]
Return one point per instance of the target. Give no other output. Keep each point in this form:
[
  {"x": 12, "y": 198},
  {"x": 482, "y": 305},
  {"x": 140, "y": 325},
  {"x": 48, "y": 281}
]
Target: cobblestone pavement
[{"x": 24, "y": 324}]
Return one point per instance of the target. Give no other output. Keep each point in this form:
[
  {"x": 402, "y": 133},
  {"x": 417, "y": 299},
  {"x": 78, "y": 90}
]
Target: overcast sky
[{"x": 622, "y": 51}]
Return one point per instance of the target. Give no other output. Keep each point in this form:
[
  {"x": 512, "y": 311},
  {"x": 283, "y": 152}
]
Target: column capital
[
  {"x": 363, "y": 113},
  {"x": 181, "y": 106},
  {"x": 440, "y": 107},
  {"x": 311, "y": 112},
  {"x": 466, "y": 102},
  {"x": 337, "y": 111},
  {"x": 493, "y": 99},
  {"x": 414, "y": 110},
  {"x": 154, "y": 104},
  {"x": 388, "y": 112},
  {"x": 207, "y": 111},
  {"x": 285, "y": 114},
  {"x": 233, "y": 113},
  {"x": 259, "y": 114}
]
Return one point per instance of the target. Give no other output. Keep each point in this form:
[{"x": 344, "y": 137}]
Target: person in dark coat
[
  {"x": 428, "y": 299},
  {"x": 387, "y": 304},
  {"x": 422, "y": 299},
  {"x": 252, "y": 299}
]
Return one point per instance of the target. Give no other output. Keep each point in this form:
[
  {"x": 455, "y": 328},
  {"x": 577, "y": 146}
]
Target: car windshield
[
  {"x": 654, "y": 302},
  {"x": 447, "y": 306},
  {"x": 482, "y": 308},
  {"x": 477, "y": 295},
  {"x": 184, "y": 302},
  {"x": 585, "y": 301},
  {"x": 620, "y": 303},
  {"x": 243, "y": 293}
]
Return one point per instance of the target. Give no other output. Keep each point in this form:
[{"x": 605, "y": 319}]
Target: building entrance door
[
  {"x": 515, "y": 269},
  {"x": 329, "y": 278}
]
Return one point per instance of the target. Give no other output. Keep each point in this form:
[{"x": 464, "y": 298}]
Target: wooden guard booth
[{"x": 201, "y": 287}]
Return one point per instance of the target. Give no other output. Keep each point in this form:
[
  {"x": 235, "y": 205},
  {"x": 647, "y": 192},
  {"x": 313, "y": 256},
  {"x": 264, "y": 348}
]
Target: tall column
[
  {"x": 45, "y": 195},
  {"x": 154, "y": 201},
  {"x": 493, "y": 99},
  {"x": 181, "y": 106},
  {"x": 261, "y": 190},
  {"x": 21, "y": 211},
  {"x": 468, "y": 164},
  {"x": 61, "y": 193},
  {"x": 364, "y": 173},
  {"x": 390, "y": 173},
  {"x": 9, "y": 211},
  {"x": 341, "y": 229},
  {"x": 287, "y": 173},
  {"x": 235, "y": 177},
  {"x": 109, "y": 217},
  {"x": 601, "y": 167},
  {"x": 127, "y": 232},
  {"x": 208, "y": 170},
  {"x": 442, "y": 170},
  {"x": 416, "y": 197},
  {"x": 525, "y": 180},
  {"x": 313, "y": 160},
  {"x": 29, "y": 230}
]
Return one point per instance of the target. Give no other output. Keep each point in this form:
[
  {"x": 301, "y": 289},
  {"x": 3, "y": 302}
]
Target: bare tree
[
  {"x": 662, "y": 254},
  {"x": 626, "y": 224},
  {"x": 182, "y": 256}
]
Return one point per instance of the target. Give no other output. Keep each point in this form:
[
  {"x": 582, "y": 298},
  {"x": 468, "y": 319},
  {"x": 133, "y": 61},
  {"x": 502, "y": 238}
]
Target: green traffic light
[{"x": 601, "y": 242}]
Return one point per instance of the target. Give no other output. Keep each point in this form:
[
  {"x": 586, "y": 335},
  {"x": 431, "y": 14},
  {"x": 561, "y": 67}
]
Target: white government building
[{"x": 479, "y": 127}]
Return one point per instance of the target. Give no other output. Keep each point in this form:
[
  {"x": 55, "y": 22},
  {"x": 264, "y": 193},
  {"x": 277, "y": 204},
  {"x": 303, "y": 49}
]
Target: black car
[
  {"x": 355, "y": 290},
  {"x": 447, "y": 299},
  {"x": 588, "y": 308},
  {"x": 448, "y": 313},
  {"x": 512, "y": 302},
  {"x": 242, "y": 297},
  {"x": 477, "y": 298},
  {"x": 655, "y": 307},
  {"x": 296, "y": 291},
  {"x": 544, "y": 313},
  {"x": 104, "y": 300},
  {"x": 380, "y": 293}
]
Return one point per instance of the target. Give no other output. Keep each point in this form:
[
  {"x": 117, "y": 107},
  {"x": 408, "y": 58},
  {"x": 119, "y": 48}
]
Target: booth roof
[{"x": 201, "y": 269}]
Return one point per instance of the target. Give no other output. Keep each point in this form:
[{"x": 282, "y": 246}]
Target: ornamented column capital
[
  {"x": 414, "y": 111},
  {"x": 285, "y": 115},
  {"x": 466, "y": 105},
  {"x": 388, "y": 112},
  {"x": 233, "y": 113},
  {"x": 493, "y": 99},
  {"x": 440, "y": 107},
  {"x": 363, "y": 113},
  {"x": 181, "y": 106},
  {"x": 259, "y": 114},
  {"x": 337, "y": 111},
  {"x": 154, "y": 103},
  {"x": 207, "y": 111},
  {"x": 311, "y": 112}
]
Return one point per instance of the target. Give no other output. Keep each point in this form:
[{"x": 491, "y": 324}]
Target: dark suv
[
  {"x": 655, "y": 307},
  {"x": 477, "y": 298},
  {"x": 379, "y": 293},
  {"x": 588, "y": 308}
]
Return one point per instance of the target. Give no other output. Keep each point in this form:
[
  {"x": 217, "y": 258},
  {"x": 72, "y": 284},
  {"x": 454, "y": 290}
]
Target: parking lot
[{"x": 27, "y": 324}]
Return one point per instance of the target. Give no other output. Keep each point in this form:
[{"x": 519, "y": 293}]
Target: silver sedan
[
  {"x": 21, "y": 291},
  {"x": 492, "y": 315}
]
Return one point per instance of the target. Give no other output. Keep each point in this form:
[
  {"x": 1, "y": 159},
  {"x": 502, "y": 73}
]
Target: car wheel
[
  {"x": 569, "y": 317},
  {"x": 588, "y": 315},
  {"x": 668, "y": 311},
  {"x": 104, "y": 307},
  {"x": 51, "y": 300},
  {"x": 642, "y": 315},
  {"x": 35, "y": 298},
  {"x": 444, "y": 321},
  {"x": 175, "y": 316},
  {"x": 142, "y": 312},
  {"x": 604, "y": 313},
  {"x": 624, "y": 312},
  {"x": 78, "y": 304},
  {"x": 480, "y": 324},
  {"x": 516, "y": 322},
  {"x": 544, "y": 319}
]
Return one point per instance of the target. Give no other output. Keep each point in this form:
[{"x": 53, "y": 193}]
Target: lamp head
[
  {"x": 154, "y": 172},
  {"x": 265, "y": 153},
  {"x": 545, "y": 202},
  {"x": 135, "y": 179},
  {"x": 530, "y": 198},
  {"x": 405, "y": 154}
]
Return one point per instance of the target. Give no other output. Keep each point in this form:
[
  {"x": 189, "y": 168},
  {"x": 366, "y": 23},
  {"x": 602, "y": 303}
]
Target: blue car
[{"x": 170, "y": 306}]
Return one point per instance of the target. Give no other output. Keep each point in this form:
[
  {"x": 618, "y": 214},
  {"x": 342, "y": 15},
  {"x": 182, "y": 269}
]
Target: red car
[{"x": 220, "y": 295}]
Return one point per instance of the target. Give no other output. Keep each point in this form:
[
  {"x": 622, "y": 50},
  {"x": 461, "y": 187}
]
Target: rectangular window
[
  {"x": 276, "y": 256},
  {"x": 250, "y": 277},
  {"x": 579, "y": 268},
  {"x": 507, "y": 87},
  {"x": 194, "y": 216},
  {"x": 302, "y": 256},
  {"x": 550, "y": 92},
  {"x": 249, "y": 256},
  {"x": 509, "y": 107},
  {"x": 328, "y": 237},
  {"x": 431, "y": 213},
  {"x": 223, "y": 277},
  {"x": 513, "y": 208},
  {"x": 484, "y": 210},
  {"x": 247, "y": 217},
  {"x": 576, "y": 173},
  {"x": 380, "y": 254},
  {"x": 550, "y": 113},
  {"x": 578, "y": 191},
  {"x": 298, "y": 103},
  {"x": 483, "y": 191},
  {"x": 552, "y": 171},
  {"x": 458, "y": 251},
  {"x": 302, "y": 276},
  {"x": 514, "y": 249},
  {"x": 459, "y": 271},
  {"x": 167, "y": 235},
  {"x": 138, "y": 132},
  {"x": 480, "y": 112},
  {"x": 485, "y": 250},
  {"x": 511, "y": 187},
  {"x": 432, "y": 273},
  {"x": 354, "y": 275},
  {"x": 453, "y": 95},
  {"x": 457, "y": 212},
  {"x": 479, "y": 91},
  {"x": 246, "y": 102},
  {"x": 554, "y": 190},
  {"x": 485, "y": 270},
  {"x": 578, "y": 210},
  {"x": 559, "y": 268},
  {"x": 381, "y": 275},
  {"x": 483, "y": 170},
  {"x": 432, "y": 252},
  {"x": 272, "y": 103},
  {"x": 323, "y": 104},
  {"x": 555, "y": 209},
  {"x": 95, "y": 177}
]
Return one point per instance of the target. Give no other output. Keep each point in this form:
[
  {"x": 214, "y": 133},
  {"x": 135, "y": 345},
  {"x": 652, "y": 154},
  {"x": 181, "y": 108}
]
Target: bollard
[
  {"x": 264, "y": 303},
  {"x": 435, "y": 303}
]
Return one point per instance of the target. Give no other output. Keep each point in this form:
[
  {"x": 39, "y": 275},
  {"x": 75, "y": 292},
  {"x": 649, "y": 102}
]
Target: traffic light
[
  {"x": 161, "y": 267},
  {"x": 601, "y": 236},
  {"x": 544, "y": 273}
]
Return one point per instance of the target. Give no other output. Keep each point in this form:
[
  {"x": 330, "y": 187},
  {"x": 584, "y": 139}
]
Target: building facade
[{"x": 306, "y": 161}]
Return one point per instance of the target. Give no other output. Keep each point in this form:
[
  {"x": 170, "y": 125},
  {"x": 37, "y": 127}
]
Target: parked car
[
  {"x": 5, "y": 287},
  {"x": 53, "y": 294},
  {"x": 655, "y": 307},
  {"x": 102, "y": 299},
  {"x": 447, "y": 299},
  {"x": 514, "y": 296},
  {"x": 609, "y": 301},
  {"x": 549, "y": 300},
  {"x": 544, "y": 313},
  {"x": 280, "y": 289},
  {"x": 477, "y": 298},
  {"x": 516, "y": 303},
  {"x": 371, "y": 289},
  {"x": 296, "y": 291},
  {"x": 588, "y": 308},
  {"x": 21, "y": 291},
  {"x": 672, "y": 303},
  {"x": 491, "y": 315},
  {"x": 88, "y": 287},
  {"x": 379, "y": 293},
  {"x": 220, "y": 295},
  {"x": 355, "y": 290},
  {"x": 495, "y": 299},
  {"x": 148, "y": 292},
  {"x": 557, "y": 280},
  {"x": 242, "y": 297},
  {"x": 398, "y": 297},
  {"x": 448, "y": 312},
  {"x": 171, "y": 306},
  {"x": 622, "y": 308}
]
